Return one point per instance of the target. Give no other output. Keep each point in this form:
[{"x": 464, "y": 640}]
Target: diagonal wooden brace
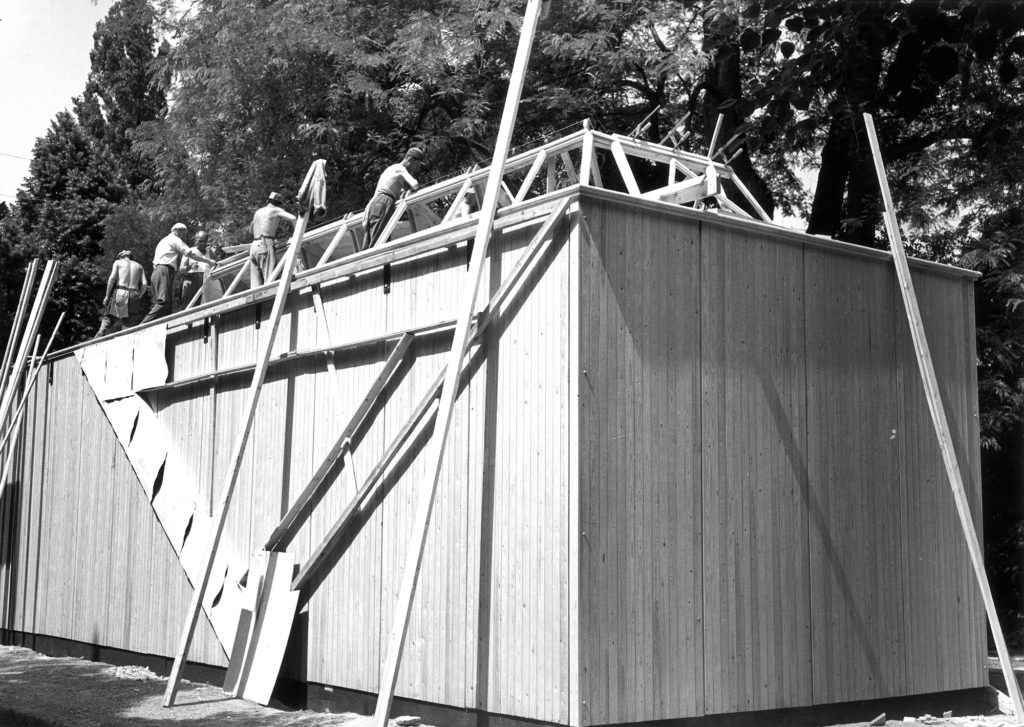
[
  {"x": 533, "y": 252},
  {"x": 284, "y": 530}
]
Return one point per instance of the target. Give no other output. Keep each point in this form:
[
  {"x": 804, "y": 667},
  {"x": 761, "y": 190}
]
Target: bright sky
[{"x": 44, "y": 63}]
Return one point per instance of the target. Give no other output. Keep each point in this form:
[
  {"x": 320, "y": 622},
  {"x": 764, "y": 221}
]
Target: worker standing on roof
[
  {"x": 122, "y": 305},
  {"x": 166, "y": 258},
  {"x": 262, "y": 259},
  {"x": 192, "y": 271},
  {"x": 395, "y": 180}
]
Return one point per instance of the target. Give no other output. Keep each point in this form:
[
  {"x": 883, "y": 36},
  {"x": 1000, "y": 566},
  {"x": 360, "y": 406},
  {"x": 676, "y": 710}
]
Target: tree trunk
[
  {"x": 722, "y": 83},
  {"x": 827, "y": 208}
]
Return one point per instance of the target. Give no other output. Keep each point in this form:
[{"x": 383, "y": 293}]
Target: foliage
[{"x": 85, "y": 173}]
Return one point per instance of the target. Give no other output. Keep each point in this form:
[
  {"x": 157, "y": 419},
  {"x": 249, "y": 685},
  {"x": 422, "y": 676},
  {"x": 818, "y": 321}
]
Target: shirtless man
[
  {"x": 122, "y": 305},
  {"x": 393, "y": 181},
  {"x": 262, "y": 259}
]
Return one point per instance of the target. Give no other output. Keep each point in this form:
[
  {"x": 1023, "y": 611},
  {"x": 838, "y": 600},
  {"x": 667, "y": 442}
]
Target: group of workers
[{"x": 122, "y": 304}]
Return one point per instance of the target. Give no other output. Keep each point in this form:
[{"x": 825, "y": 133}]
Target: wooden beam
[
  {"x": 35, "y": 319},
  {"x": 529, "y": 256},
  {"x": 235, "y": 460},
  {"x": 940, "y": 422},
  {"x": 333, "y": 245},
  {"x": 321, "y": 317},
  {"x": 283, "y": 532},
  {"x": 15, "y": 428},
  {"x": 291, "y": 356},
  {"x": 750, "y": 198},
  {"x": 622, "y": 162},
  {"x": 569, "y": 168},
  {"x": 459, "y": 197},
  {"x": 316, "y": 558},
  {"x": 587, "y": 158},
  {"x": 28, "y": 386},
  {"x": 449, "y": 389},
  {"x": 531, "y": 175},
  {"x": 367, "y": 261},
  {"x": 19, "y": 316},
  {"x": 396, "y": 217}
]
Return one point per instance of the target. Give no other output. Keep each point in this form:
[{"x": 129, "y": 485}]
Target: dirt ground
[{"x": 41, "y": 691}]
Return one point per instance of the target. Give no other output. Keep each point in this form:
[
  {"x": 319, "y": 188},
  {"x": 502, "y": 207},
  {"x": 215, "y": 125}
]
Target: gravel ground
[{"x": 42, "y": 691}]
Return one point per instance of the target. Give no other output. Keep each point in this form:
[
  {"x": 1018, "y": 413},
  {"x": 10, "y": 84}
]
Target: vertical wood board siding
[
  {"x": 814, "y": 484},
  {"x": 641, "y": 649}
]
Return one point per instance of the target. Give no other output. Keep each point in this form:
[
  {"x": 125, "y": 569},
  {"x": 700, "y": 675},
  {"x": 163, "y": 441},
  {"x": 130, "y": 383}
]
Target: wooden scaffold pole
[
  {"x": 238, "y": 449},
  {"x": 450, "y": 387},
  {"x": 940, "y": 422}
]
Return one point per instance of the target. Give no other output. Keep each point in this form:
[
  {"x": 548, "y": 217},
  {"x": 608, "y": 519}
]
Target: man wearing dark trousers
[
  {"x": 395, "y": 180},
  {"x": 166, "y": 259}
]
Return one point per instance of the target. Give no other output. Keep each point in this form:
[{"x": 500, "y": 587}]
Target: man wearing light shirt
[
  {"x": 166, "y": 259},
  {"x": 395, "y": 180}
]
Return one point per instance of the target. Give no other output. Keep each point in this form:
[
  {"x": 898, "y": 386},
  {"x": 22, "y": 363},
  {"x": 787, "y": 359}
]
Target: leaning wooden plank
[
  {"x": 33, "y": 375},
  {"x": 532, "y": 253},
  {"x": 254, "y": 580},
  {"x": 262, "y": 637},
  {"x": 235, "y": 460},
  {"x": 31, "y": 329},
  {"x": 283, "y": 530},
  {"x": 19, "y": 317},
  {"x": 14, "y": 430},
  {"x": 939, "y": 420},
  {"x": 449, "y": 389}
]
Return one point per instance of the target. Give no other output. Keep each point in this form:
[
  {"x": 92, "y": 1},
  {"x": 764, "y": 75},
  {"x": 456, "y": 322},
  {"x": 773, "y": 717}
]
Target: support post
[
  {"x": 450, "y": 387},
  {"x": 940, "y": 422},
  {"x": 235, "y": 460},
  {"x": 31, "y": 328},
  {"x": 19, "y": 315},
  {"x": 16, "y": 419}
]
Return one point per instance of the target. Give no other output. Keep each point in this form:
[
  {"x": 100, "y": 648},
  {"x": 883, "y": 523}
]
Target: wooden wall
[
  {"x": 83, "y": 558},
  {"x": 692, "y": 474},
  {"x": 490, "y": 620},
  {"x": 766, "y": 518}
]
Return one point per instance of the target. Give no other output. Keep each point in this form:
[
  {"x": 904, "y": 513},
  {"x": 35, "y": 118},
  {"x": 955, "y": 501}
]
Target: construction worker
[
  {"x": 393, "y": 182},
  {"x": 192, "y": 271},
  {"x": 166, "y": 259},
  {"x": 262, "y": 259},
  {"x": 122, "y": 305}
]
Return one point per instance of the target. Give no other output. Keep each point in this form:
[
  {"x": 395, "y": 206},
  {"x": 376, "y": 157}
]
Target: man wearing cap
[
  {"x": 122, "y": 305},
  {"x": 166, "y": 259},
  {"x": 262, "y": 259},
  {"x": 192, "y": 271},
  {"x": 395, "y": 180}
]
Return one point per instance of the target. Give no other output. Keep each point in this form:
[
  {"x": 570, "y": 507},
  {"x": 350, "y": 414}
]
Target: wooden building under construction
[{"x": 691, "y": 469}]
